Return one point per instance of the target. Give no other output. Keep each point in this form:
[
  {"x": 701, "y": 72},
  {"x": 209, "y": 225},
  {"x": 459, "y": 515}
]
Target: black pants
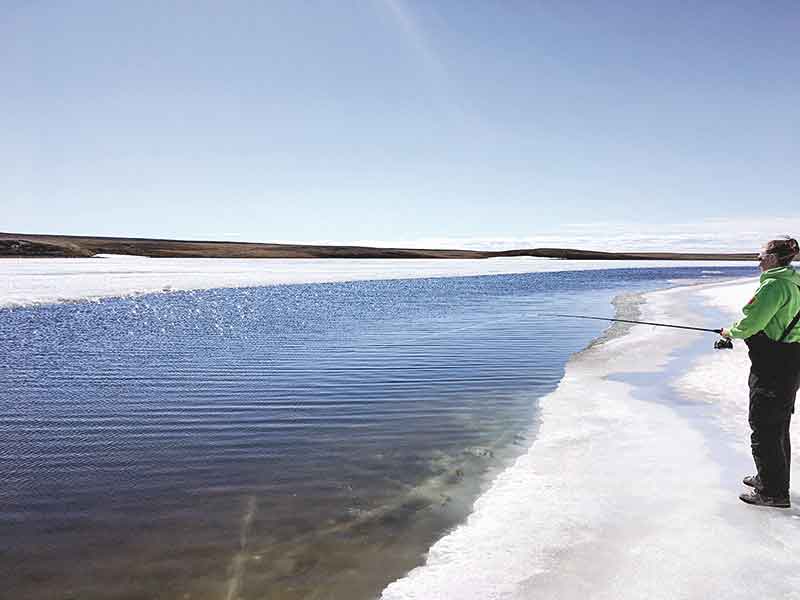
[{"x": 774, "y": 380}]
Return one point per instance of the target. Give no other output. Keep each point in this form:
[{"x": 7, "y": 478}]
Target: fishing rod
[{"x": 721, "y": 344}]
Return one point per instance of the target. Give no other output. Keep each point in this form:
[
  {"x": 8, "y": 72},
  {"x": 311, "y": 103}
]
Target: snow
[
  {"x": 25, "y": 281},
  {"x": 626, "y": 493}
]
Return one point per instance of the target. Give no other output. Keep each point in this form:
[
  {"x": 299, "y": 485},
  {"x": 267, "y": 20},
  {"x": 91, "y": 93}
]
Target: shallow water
[{"x": 304, "y": 441}]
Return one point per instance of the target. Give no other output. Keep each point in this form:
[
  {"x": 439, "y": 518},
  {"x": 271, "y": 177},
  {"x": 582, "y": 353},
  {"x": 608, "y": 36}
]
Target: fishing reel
[{"x": 723, "y": 343}]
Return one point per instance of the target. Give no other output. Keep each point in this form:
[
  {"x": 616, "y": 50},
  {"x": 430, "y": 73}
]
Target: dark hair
[{"x": 785, "y": 248}]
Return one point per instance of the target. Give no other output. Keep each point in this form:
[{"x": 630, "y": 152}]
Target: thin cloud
[
  {"x": 408, "y": 25},
  {"x": 710, "y": 235}
]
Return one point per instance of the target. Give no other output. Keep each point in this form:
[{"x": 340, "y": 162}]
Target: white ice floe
[
  {"x": 624, "y": 494},
  {"x": 44, "y": 280}
]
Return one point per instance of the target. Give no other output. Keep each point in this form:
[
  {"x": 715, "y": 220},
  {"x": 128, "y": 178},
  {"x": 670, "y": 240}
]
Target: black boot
[
  {"x": 753, "y": 481},
  {"x": 759, "y": 499}
]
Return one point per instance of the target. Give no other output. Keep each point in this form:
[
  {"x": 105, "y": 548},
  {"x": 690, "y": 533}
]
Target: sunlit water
[{"x": 304, "y": 441}]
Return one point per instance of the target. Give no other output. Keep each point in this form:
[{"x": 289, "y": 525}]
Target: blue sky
[{"x": 385, "y": 121}]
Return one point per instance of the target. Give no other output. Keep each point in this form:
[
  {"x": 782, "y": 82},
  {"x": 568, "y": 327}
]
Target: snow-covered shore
[
  {"x": 25, "y": 281},
  {"x": 630, "y": 487}
]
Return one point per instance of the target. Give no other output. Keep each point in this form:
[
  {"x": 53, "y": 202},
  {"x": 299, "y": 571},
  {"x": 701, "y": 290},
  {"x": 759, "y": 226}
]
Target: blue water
[{"x": 274, "y": 441}]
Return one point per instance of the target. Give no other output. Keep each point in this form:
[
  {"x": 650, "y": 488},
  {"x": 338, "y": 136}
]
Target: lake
[{"x": 290, "y": 441}]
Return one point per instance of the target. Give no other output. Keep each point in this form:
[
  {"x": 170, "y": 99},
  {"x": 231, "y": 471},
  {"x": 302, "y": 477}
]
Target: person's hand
[{"x": 725, "y": 333}]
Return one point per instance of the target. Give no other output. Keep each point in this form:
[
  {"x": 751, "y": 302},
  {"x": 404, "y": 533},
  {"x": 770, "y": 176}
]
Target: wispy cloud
[
  {"x": 407, "y": 23},
  {"x": 710, "y": 235},
  {"x": 441, "y": 88}
]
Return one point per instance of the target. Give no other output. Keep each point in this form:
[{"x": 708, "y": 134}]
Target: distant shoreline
[{"x": 67, "y": 246}]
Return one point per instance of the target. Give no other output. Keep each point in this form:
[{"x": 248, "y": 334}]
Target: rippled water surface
[{"x": 305, "y": 441}]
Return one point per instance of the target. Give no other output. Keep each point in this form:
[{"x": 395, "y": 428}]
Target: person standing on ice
[{"x": 769, "y": 330}]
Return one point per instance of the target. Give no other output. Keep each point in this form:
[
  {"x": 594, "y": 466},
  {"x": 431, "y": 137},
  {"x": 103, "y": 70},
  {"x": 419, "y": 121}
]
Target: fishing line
[
  {"x": 718, "y": 331},
  {"x": 721, "y": 344}
]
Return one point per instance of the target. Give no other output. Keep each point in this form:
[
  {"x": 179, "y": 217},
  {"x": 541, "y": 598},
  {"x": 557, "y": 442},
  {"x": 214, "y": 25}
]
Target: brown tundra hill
[{"x": 35, "y": 245}]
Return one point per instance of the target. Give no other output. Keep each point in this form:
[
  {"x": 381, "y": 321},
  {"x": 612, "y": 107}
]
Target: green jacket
[{"x": 772, "y": 308}]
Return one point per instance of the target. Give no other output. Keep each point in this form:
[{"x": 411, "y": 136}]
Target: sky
[{"x": 603, "y": 125}]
